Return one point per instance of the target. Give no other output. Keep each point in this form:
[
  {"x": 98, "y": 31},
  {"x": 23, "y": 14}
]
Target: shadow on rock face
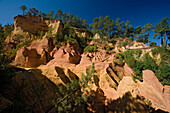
[
  {"x": 127, "y": 104},
  {"x": 29, "y": 91}
]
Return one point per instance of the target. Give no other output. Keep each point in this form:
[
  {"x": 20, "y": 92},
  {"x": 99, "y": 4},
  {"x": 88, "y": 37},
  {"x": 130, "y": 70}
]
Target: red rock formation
[
  {"x": 84, "y": 32},
  {"x": 153, "y": 90},
  {"x": 127, "y": 70},
  {"x": 31, "y": 24},
  {"x": 69, "y": 53},
  {"x": 30, "y": 27},
  {"x": 36, "y": 54}
]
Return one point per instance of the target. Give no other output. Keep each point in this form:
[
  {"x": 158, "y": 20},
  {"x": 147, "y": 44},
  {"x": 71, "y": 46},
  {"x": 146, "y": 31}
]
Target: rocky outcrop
[
  {"x": 28, "y": 58},
  {"x": 114, "y": 89},
  {"x": 128, "y": 98},
  {"x": 31, "y": 24},
  {"x": 80, "y": 32},
  {"x": 28, "y": 28},
  {"x": 133, "y": 93},
  {"x": 153, "y": 90},
  {"x": 96, "y": 36},
  {"x": 31, "y": 89},
  {"x": 65, "y": 55},
  {"x": 55, "y": 25},
  {"x": 36, "y": 54}
]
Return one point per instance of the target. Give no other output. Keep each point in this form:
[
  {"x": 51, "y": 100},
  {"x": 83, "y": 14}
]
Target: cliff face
[
  {"x": 31, "y": 24},
  {"x": 46, "y": 67},
  {"x": 28, "y": 28},
  {"x": 29, "y": 89},
  {"x": 114, "y": 81}
]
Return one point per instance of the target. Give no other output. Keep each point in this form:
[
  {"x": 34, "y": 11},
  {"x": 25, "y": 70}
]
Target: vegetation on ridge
[
  {"x": 73, "y": 96},
  {"x": 109, "y": 28},
  {"x": 139, "y": 63}
]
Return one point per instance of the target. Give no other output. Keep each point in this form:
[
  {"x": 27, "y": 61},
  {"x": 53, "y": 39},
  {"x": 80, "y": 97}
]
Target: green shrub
[
  {"x": 91, "y": 48},
  {"x": 138, "y": 52},
  {"x": 41, "y": 34},
  {"x": 107, "y": 50},
  {"x": 152, "y": 44},
  {"x": 18, "y": 46},
  {"x": 131, "y": 39},
  {"x": 129, "y": 58},
  {"x": 8, "y": 30},
  {"x": 72, "y": 97},
  {"x": 149, "y": 62},
  {"x": 59, "y": 37},
  {"x": 112, "y": 51},
  {"x": 116, "y": 56},
  {"x": 114, "y": 61},
  {"x": 121, "y": 61},
  {"x": 72, "y": 41},
  {"x": 163, "y": 73}
]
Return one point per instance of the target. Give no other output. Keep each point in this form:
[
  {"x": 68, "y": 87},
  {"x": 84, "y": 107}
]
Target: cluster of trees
[
  {"x": 68, "y": 18},
  {"x": 112, "y": 29},
  {"x": 139, "y": 63},
  {"x": 109, "y": 28}
]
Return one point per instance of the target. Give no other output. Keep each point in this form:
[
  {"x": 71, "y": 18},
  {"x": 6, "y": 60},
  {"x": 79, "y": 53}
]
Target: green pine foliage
[
  {"x": 23, "y": 8},
  {"x": 162, "y": 29},
  {"x": 138, "y": 64},
  {"x": 70, "y": 37},
  {"x": 91, "y": 48},
  {"x": 8, "y": 30},
  {"x": 72, "y": 97},
  {"x": 146, "y": 30},
  {"x": 152, "y": 44}
]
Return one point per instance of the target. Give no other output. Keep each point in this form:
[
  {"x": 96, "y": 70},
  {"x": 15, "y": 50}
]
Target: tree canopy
[
  {"x": 162, "y": 29},
  {"x": 23, "y": 8}
]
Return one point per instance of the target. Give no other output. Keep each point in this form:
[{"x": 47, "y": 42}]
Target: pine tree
[
  {"x": 59, "y": 14},
  {"x": 126, "y": 28},
  {"x": 34, "y": 11},
  {"x": 50, "y": 15},
  {"x": 118, "y": 25},
  {"x": 95, "y": 26},
  {"x": 84, "y": 24},
  {"x": 108, "y": 26},
  {"x": 137, "y": 31},
  {"x": 44, "y": 15},
  {"x": 146, "y": 30},
  {"x": 162, "y": 29},
  {"x": 39, "y": 14},
  {"x": 23, "y": 8}
]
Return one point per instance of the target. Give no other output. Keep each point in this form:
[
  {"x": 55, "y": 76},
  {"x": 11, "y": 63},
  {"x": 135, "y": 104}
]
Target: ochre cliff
[{"x": 44, "y": 67}]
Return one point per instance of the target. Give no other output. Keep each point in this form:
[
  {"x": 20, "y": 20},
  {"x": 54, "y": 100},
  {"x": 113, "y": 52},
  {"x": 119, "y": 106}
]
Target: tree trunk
[
  {"x": 164, "y": 39},
  {"x": 148, "y": 38}
]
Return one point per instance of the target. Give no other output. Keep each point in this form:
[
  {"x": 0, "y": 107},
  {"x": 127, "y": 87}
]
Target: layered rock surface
[
  {"x": 27, "y": 28},
  {"x": 47, "y": 67},
  {"x": 153, "y": 90}
]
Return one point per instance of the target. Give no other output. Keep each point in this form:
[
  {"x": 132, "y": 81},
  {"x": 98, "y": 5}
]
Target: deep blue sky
[{"x": 138, "y": 12}]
